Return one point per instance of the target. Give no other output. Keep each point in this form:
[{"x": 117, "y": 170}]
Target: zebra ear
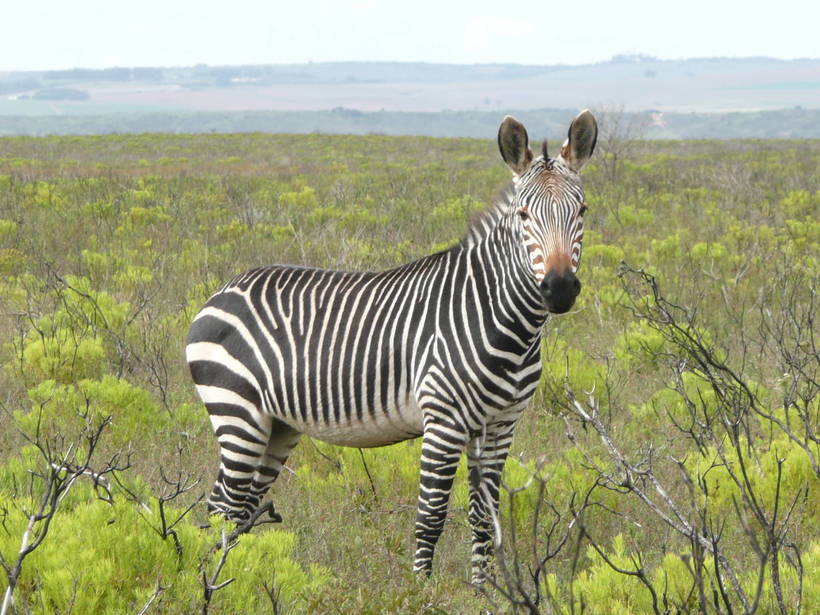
[
  {"x": 513, "y": 143},
  {"x": 580, "y": 143}
]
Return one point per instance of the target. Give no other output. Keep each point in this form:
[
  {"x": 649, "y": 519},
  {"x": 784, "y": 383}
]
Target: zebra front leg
[
  {"x": 441, "y": 448},
  {"x": 486, "y": 454}
]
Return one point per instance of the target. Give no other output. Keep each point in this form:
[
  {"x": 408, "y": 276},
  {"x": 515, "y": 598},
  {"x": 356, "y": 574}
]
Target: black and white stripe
[{"x": 446, "y": 348}]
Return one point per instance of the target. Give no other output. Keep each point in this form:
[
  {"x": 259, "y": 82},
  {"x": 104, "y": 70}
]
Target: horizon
[{"x": 616, "y": 59}]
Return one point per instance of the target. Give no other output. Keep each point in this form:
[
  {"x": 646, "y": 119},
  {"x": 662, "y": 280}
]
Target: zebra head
[{"x": 547, "y": 206}]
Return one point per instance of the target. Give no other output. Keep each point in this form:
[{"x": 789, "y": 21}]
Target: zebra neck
[
  {"x": 484, "y": 223},
  {"x": 498, "y": 265}
]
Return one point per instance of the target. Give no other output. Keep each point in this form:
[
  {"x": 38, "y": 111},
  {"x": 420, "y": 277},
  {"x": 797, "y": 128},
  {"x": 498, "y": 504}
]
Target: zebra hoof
[
  {"x": 259, "y": 514},
  {"x": 257, "y": 517},
  {"x": 274, "y": 516}
]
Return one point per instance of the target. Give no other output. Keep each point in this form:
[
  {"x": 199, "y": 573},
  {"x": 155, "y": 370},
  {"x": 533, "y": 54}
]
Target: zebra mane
[{"x": 483, "y": 222}]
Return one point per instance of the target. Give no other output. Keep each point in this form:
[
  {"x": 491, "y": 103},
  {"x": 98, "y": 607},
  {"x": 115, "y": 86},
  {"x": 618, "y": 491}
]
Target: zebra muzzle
[{"x": 560, "y": 290}]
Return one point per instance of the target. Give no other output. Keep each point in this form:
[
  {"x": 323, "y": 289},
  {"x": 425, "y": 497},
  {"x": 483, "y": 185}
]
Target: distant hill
[{"x": 679, "y": 97}]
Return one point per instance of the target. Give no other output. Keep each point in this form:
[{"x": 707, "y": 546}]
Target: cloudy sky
[{"x": 54, "y": 34}]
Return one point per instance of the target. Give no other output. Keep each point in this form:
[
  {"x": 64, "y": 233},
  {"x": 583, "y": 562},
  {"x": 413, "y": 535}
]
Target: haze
[{"x": 100, "y": 33}]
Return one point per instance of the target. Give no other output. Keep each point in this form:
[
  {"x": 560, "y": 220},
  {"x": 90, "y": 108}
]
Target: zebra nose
[{"x": 560, "y": 290}]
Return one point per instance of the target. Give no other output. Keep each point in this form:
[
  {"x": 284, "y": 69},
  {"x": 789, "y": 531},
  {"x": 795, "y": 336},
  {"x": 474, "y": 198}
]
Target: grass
[{"x": 109, "y": 245}]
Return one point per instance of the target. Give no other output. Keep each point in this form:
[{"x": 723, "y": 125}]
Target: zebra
[{"x": 446, "y": 348}]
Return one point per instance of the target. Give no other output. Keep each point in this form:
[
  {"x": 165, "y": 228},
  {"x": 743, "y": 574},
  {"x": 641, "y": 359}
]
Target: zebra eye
[
  {"x": 583, "y": 209},
  {"x": 523, "y": 214}
]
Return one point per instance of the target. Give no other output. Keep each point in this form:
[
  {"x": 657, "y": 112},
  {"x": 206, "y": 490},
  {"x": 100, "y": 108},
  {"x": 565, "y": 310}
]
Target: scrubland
[{"x": 669, "y": 459}]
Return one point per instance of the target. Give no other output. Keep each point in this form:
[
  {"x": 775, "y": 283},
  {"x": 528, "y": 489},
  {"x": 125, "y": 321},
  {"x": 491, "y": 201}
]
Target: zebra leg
[
  {"x": 248, "y": 466},
  {"x": 253, "y": 451},
  {"x": 242, "y": 447},
  {"x": 282, "y": 441},
  {"x": 442, "y": 444},
  {"x": 486, "y": 454}
]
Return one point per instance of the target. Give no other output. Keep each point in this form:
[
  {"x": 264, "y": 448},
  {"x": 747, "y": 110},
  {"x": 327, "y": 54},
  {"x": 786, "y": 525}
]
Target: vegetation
[
  {"x": 60, "y": 94},
  {"x": 37, "y": 117},
  {"x": 670, "y": 459}
]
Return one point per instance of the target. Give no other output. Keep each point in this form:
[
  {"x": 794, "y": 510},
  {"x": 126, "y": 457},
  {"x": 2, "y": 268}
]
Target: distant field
[
  {"x": 110, "y": 244},
  {"x": 40, "y": 108},
  {"x": 716, "y": 85},
  {"x": 679, "y": 97},
  {"x": 792, "y": 123}
]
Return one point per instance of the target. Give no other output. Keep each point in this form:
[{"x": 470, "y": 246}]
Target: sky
[{"x": 55, "y": 34}]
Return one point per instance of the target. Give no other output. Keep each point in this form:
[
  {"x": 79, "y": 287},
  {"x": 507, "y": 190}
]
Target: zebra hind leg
[
  {"x": 282, "y": 441},
  {"x": 243, "y": 438},
  {"x": 251, "y": 458}
]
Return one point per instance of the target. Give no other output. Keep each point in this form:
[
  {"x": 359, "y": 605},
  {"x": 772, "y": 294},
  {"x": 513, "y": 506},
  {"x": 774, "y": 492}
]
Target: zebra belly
[{"x": 384, "y": 426}]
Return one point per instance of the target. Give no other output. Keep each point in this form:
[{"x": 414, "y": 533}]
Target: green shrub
[
  {"x": 101, "y": 558},
  {"x": 66, "y": 408},
  {"x": 69, "y": 344}
]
